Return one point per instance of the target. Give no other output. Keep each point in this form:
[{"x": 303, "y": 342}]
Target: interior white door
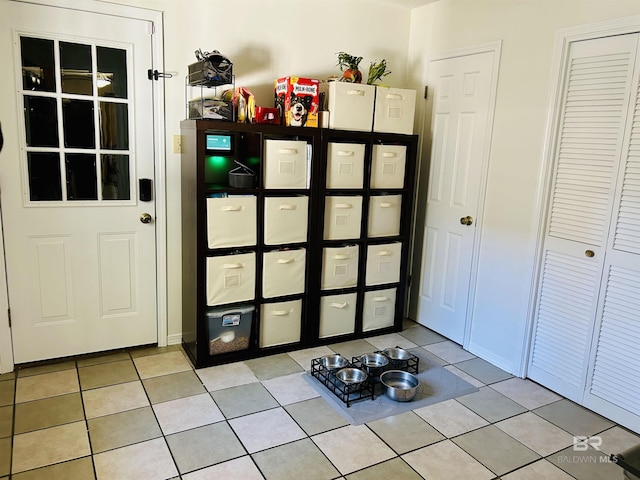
[
  {"x": 77, "y": 118},
  {"x": 598, "y": 85},
  {"x": 460, "y": 92}
]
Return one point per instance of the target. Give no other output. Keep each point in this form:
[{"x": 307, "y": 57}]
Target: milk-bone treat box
[{"x": 297, "y": 101}]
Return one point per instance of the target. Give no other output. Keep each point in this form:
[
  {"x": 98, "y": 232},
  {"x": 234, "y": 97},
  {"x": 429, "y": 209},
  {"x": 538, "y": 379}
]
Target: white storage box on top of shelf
[
  {"x": 384, "y": 215},
  {"x": 339, "y": 267},
  {"x": 388, "y": 165},
  {"x": 283, "y": 272},
  {"x": 286, "y": 164},
  {"x": 231, "y": 278},
  {"x": 231, "y": 221},
  {"x": 350, "y": 105},
  {"x": 345, "y": 165},
  {"x": 285, "y": 219},
  {"x": 394, "y": 110},
  {"x": 337, "y": 315},
  {"x": 342, "y": 217},
  {"x": 383, "y": 263},
  {"x": 379, "y": 309},
  {"x": 280, "y": 323}
]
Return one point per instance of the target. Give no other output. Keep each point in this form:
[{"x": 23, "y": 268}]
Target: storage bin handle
[
  {"x": 380, "y": 299},
  {"x": 232, "y": 208},
  {"x": 288, "y": 151},
  {"x": 288, "y": 207},
  {"x": 284, "y": 260},
  {"x": 339, "y": 305},
  {"x": 356, "y": 92},
  {"x": 386, "y": 204},
  {"x": 280, "y": 313},
  {"x": 346, "y": 153},
  {"x": 389, "y": 154},
  {"x": 344, "y": 205},
  {"x": 228, "y": 266},
  {"x": 341, "y": 256},
  {"x": 385, "y": 253}
]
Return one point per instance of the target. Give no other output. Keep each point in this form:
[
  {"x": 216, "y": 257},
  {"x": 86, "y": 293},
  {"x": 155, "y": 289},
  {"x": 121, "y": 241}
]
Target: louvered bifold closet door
[
  {"x": 597, "y": 89},
  {"x": 614, "y": 379}
]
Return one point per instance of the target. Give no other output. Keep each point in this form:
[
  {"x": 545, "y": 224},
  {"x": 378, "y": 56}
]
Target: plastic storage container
[{"x": 229, "y": 328}]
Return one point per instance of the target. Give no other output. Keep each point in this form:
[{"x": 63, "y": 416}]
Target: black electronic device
[{"x": 145, "y": 189}]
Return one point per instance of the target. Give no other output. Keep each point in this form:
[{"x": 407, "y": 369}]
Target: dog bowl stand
[{"x": 353, "y": 392}]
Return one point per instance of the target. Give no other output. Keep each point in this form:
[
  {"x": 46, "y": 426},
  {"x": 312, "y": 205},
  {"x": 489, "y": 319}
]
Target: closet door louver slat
[
  {"x": 617, "y": 359},
  {"x": 589, "y": 146},
  {"x": 565, "y": 317},
  {"x": 627, "y": 232}
]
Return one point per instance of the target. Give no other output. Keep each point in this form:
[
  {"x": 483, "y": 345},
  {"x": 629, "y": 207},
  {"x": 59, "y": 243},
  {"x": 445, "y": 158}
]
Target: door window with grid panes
[{"x": 76, "y": 113}]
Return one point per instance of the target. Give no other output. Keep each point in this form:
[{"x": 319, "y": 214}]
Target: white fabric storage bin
[
  {"x": 394, "y": 110},
  {"x": 231, "y": 221},
  {"x": 280, "y": 323},
  {"x": 383, "y": 263},
  {"x": 337, "y": 315},
  {"x": 350, "y": 105},
  {"x": 231, "y": 278},
  {"x": 283, "y": 272},
  {"x": 285, "y": 220},
  {"x": 379, "y": 309},
  {"x": 342, "y": 217},
  {"x": 384, "y": 215},
  {"x": 285, "y": 164},
  {"x": 339, "y": 267},
  {"x": 345, "y": 165},
  {"x": 388, "y": 164}
]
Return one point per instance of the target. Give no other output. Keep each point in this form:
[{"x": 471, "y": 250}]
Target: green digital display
[{"x": 219, "y": 143}]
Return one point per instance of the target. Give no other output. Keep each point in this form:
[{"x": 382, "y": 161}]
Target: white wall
[
  {"x": 265, "y": 39},
  {"x": 511, "y": 214}
]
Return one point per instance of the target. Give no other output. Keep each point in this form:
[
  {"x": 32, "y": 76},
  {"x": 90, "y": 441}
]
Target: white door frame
[
  {"x": 155, "y": 20},
  {"x": 425, "y": 152},
  {"x": 563, "y": 40}
]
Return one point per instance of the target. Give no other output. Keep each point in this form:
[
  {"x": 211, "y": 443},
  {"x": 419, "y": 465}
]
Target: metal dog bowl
[
  {"x": 351, "y": 375},
  {"x": 397, "y": 354},
  {"x": 373, "y": 360},
  {"x": 334, "y": 361},
  {"x": 399, "y": 385}
]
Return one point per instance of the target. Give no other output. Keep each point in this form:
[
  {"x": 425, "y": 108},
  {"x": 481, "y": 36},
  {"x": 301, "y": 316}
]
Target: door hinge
[
  {"x": 426, "y": 87},
  {"x": 155, "y": 74},
  {"x": 9, "y": 316}
]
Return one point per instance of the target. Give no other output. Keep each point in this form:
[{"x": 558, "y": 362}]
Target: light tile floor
[{"x": 147, "y": 414}]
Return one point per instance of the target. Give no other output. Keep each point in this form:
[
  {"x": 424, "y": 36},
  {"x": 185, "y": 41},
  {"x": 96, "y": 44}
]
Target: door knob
[
  {"x": 589, "y": 253},
  {"x": 466, "y": 220},
  {"x": 145, "y": 218}
]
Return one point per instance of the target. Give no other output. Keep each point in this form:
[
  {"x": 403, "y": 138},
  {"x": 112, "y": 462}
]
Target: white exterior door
[
  {"x": 460, "y": 91},
  {"x": 78, "y": 123}
]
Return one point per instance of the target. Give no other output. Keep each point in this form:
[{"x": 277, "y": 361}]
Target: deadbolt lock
[{"x": 466, "y": 220}]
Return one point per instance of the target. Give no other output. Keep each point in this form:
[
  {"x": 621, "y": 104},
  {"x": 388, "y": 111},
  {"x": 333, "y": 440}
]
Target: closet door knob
[
  {"x": 466, "y": 220},
  {"x": 589, "y": 253}
]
